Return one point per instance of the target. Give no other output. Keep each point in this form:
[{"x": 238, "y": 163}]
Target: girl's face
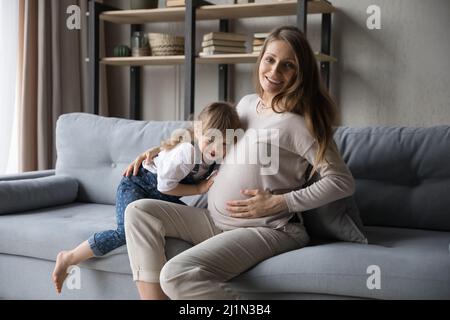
[
  {"x": 277, "y": 67},
  {"x": 213, "y": 148}
]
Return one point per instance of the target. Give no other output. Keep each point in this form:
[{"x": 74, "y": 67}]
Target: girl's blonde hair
[
  {"x": 305, "y": 94},
  {"x": 217, "y": 115}
]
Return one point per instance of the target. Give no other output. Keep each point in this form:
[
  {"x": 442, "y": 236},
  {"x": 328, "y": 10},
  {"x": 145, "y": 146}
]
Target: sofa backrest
[
  {"x": 402, "y": 174},
  {"x": 96, "y": 150}
]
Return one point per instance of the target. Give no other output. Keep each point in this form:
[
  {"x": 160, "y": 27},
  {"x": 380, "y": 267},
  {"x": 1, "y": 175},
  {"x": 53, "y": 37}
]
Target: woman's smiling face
[{"x": 278, "y": 66}]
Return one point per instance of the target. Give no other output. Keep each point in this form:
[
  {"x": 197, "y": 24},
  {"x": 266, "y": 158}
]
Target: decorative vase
[{"x": 139, "y": 44}]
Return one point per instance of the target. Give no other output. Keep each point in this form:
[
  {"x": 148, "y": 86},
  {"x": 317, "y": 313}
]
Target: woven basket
[{"x": 162, "y": 44}]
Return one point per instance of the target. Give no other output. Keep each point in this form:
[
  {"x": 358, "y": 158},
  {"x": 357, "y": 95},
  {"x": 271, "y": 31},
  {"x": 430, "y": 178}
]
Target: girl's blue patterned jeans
[{"x": 130, "y": 189}]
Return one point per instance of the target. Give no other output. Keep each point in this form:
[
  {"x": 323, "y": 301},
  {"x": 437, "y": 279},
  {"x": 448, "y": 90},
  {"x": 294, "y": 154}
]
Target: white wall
[{"x": 398, "y": 75}]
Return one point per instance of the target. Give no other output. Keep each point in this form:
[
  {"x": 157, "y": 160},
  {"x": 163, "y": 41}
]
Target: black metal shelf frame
[{"x": 95, "y": 9}]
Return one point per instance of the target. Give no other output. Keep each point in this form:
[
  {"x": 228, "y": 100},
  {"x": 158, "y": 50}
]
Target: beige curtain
[{"x": 53, "y": 77}]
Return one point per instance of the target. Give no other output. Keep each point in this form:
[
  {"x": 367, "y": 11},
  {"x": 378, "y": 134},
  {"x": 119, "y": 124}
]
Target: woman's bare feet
[{"x": 63, "y": 262}]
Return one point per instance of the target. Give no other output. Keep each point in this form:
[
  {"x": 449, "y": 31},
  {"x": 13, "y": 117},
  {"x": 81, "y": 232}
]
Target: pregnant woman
[{"x": 251, "y": 210}]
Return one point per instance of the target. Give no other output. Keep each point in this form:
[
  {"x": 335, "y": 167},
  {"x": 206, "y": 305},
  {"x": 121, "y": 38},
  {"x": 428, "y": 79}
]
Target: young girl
[{"x": 184, "y": 167}]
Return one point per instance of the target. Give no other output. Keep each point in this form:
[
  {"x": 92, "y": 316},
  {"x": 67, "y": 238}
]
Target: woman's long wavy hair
[
  {"x": 217, "y": 115},
  {"x": 305, "y": 93}
]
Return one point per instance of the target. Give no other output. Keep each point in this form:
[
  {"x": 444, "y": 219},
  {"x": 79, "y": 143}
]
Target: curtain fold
[
  {"x": 28, "y": 91},
  {"x": 53, "y": 78}
]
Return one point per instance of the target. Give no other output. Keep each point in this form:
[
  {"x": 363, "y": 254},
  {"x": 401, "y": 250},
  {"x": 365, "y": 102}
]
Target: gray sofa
[{"x": 402, "y": 182}]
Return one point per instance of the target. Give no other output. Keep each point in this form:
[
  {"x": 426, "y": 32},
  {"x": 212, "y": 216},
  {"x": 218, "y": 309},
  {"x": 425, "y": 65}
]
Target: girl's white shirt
[{"x": 172, "y": 166}]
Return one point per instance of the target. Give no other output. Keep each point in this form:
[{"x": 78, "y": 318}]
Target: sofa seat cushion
[
  {"x": 43, "y": 233},
  {"x": 413, "y": 264}
]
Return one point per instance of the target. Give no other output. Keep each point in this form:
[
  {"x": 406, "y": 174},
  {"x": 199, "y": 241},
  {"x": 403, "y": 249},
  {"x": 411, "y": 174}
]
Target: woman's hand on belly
[{"x": 260, "y": 204}]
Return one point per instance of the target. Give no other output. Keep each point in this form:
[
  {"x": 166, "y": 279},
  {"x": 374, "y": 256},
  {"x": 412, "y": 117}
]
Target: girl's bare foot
[
  {"x": 65, "y": 259},
  {"x": 60, "y": 271}
]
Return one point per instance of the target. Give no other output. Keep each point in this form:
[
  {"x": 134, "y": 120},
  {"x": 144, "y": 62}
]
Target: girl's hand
[
  {"x": 204, "y": 185},
  {"x": 262, "y": 203},
  {"x": 147, "y": 156}
]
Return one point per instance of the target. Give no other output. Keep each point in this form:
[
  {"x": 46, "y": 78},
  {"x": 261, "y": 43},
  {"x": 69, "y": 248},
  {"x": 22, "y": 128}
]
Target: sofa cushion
[
  {"x": 39, "y": 193},
  {"x": 43, "y": 233},
  {"x": 402, "y": 174},
  {"x": 338, "y": 220},
  {"x": 413, "y": 264},
  {"x": 103, "y": 147},
  {"x": 27, "y": 175}
]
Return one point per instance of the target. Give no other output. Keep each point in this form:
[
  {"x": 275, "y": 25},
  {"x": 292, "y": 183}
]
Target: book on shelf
[
  {"x": 227, "y": 43},
  {"x": 214, "y": 49},
  {"x": 208, "y": 54},
  {"x": 257, "y": 48},
  {"x": 261, "y": 35},
  {"x": 175, "y": 3},
  {"x": 225, "y": 36},
  {"x": 258, "y": 42}
]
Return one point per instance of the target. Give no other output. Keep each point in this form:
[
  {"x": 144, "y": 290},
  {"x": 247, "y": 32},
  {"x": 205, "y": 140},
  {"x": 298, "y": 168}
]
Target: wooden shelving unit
[
  {"x": 216, "y": 12},
  {"x": 213, "y": 59},
  {"x": 196, "y": 10},
  {"x": 143, "y": 61}
]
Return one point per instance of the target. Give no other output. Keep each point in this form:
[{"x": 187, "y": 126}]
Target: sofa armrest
[
  {"x": 27, "y": 175},
  {"x": 30, "y": 194}
]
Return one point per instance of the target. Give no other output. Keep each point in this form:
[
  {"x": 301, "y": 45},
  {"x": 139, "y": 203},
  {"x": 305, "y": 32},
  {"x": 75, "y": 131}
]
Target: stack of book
[
  {"x": 223, "y": 43},
  {"x": 175, "y": 3},
  {"x": 258, "y": 41}
]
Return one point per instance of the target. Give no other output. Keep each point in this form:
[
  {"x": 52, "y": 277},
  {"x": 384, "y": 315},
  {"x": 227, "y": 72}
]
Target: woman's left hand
[{"x": 262, "y": 203}]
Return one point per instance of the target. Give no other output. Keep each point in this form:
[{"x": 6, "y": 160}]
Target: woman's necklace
[{"x": 261, "y": 107}]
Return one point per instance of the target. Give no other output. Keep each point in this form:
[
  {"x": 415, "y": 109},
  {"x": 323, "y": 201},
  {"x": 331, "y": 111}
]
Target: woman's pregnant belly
[
  {"x": 234, "y": 176},
  {"x": 230, "y": 180}
]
